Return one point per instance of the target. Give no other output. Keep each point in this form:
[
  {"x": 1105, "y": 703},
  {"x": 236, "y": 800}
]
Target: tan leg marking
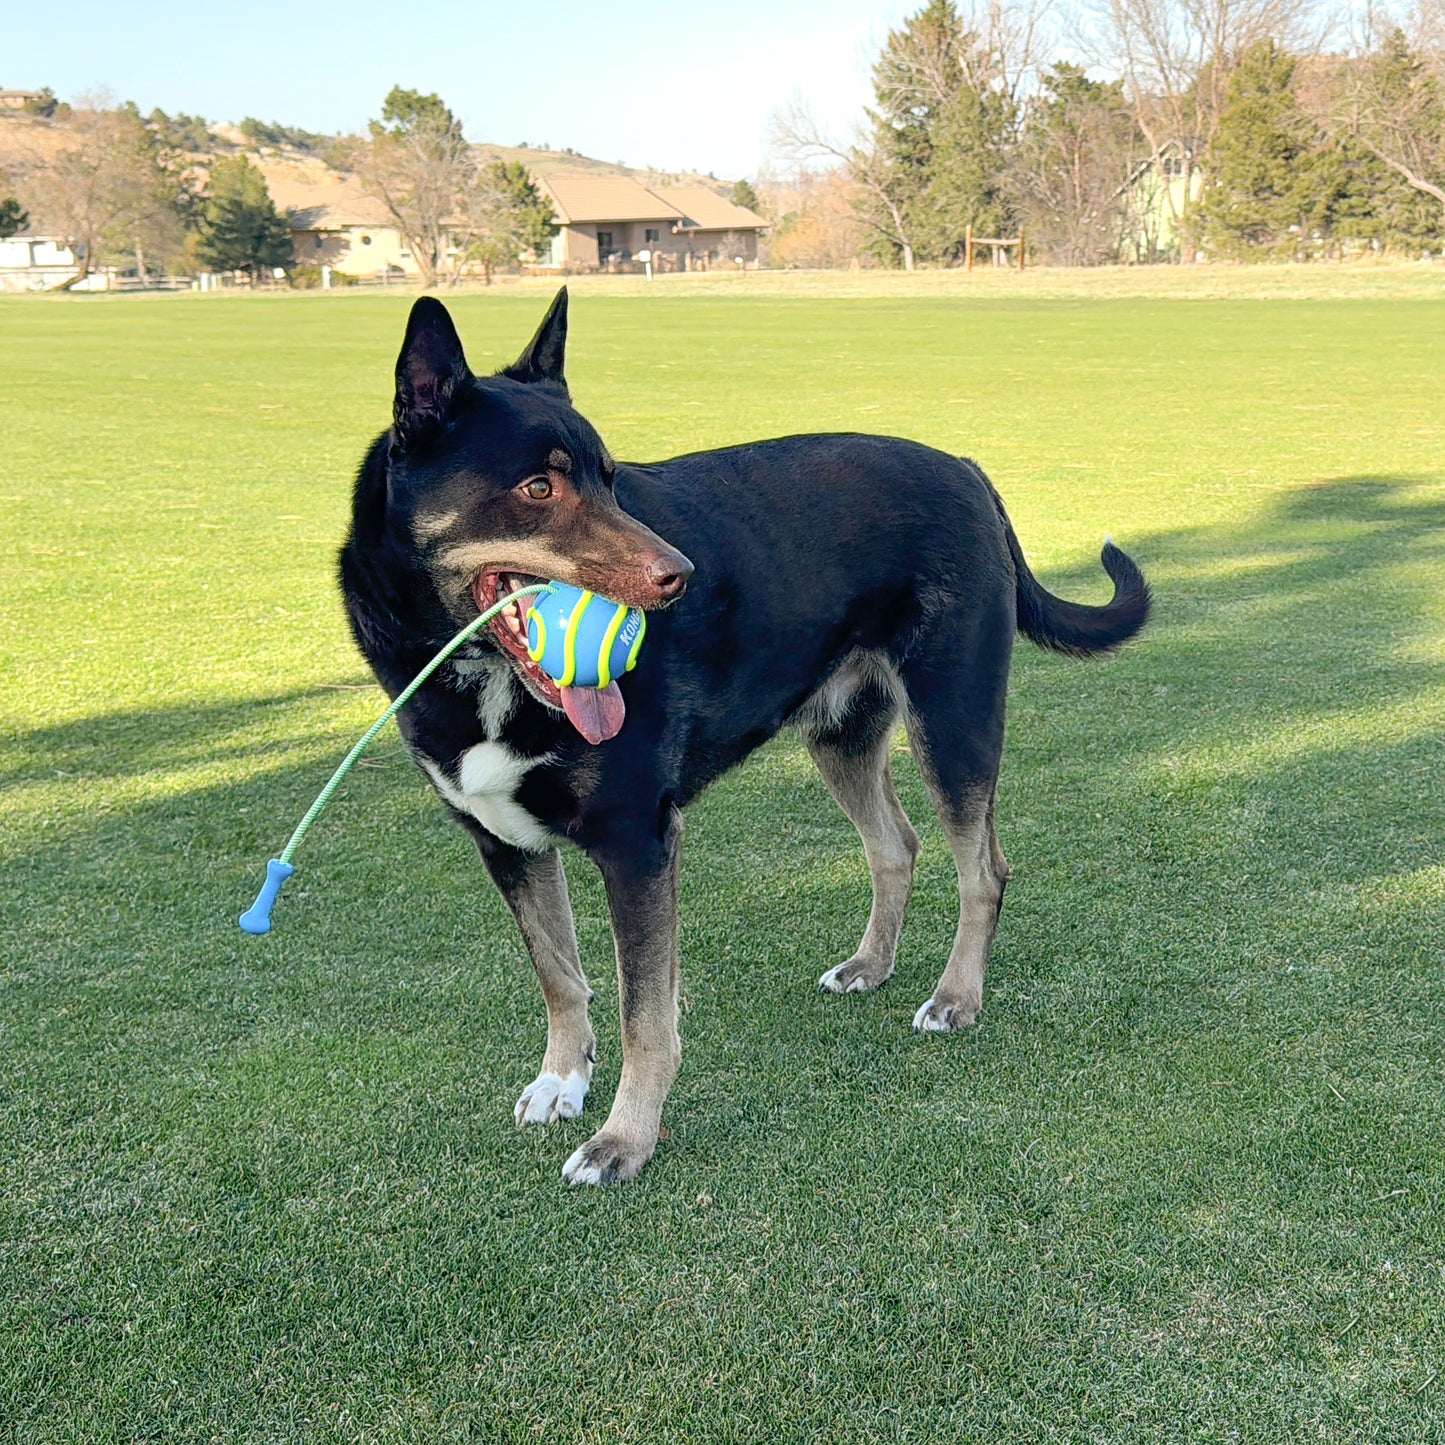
[
  {"x": 544, "y": 915},
  {"x": 644, "y": 924},
  {"x": 982, "y": 873},
  {"x": 863, "y": 788}
]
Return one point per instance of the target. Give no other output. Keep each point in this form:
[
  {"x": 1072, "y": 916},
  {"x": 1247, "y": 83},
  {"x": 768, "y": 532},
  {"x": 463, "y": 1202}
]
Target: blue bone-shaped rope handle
[{"x": 257, "y": 918}]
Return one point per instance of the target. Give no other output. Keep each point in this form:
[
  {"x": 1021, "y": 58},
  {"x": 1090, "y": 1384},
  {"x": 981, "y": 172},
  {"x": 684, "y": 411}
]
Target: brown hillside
[{"x": 299, "y": 180}]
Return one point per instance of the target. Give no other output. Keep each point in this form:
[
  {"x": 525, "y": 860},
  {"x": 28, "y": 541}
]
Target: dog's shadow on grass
[{"x": 1175, "y": 815}]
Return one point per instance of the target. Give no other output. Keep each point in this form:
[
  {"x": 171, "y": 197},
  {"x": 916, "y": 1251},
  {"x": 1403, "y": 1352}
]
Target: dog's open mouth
[{"x": 596, "y": 713}]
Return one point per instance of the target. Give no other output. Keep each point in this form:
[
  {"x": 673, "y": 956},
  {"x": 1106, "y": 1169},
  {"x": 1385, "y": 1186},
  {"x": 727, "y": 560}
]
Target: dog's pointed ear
[
  {"x": 429, "y": 372},
  {"x": 546, "y": 351}
]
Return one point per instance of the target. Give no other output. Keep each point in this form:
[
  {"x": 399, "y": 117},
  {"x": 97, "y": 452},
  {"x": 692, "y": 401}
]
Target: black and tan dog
[{"x": 837, "y": 583}]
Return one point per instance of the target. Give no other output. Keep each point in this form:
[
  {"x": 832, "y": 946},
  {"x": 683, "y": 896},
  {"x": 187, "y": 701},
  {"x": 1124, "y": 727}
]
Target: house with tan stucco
[
  {"x": 604, "y": 222},
  {"x": 334, "y": 222}
]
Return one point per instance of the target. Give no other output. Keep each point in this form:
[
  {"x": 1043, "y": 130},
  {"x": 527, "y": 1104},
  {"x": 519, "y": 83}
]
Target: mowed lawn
[{"x": 1183, "y": 1181}]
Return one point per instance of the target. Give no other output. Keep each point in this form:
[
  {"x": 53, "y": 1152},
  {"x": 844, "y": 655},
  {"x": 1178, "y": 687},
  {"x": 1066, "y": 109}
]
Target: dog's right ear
[{"x": 429, "y": 372}]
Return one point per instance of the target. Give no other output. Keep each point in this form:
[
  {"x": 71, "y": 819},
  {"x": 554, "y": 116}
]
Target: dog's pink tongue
[{"x": 596, "y": 712}]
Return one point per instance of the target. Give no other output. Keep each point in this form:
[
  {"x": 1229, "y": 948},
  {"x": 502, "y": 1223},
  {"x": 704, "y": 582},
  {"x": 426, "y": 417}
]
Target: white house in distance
[
  {"x": 34, "y": 263},
  {"x": 605, "y": 221}
]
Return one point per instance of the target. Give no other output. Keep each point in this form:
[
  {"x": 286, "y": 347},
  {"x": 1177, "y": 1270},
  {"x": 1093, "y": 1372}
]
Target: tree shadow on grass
[{"x": 131, "y": 742}]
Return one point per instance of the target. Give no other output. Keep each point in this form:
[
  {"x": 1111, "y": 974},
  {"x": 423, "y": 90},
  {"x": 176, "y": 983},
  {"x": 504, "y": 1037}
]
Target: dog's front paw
[
  {"x": 858, "y": 975},
  {"x": 550, "y": 1097},
  {"x": 607, "y": 1159},
  {"x": 936, "y": 1017}
]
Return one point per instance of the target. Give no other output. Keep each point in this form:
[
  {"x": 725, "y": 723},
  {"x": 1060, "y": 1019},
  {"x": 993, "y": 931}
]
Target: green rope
[{"x": 324, "y": 796}]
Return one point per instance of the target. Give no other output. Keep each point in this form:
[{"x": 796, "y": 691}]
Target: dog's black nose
[{"x": 669, "y": 574}]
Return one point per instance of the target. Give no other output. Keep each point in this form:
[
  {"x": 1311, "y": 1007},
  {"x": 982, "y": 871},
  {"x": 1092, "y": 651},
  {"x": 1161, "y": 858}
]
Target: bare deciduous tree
[
  {"x": 1072, "y": 166},
  {"x": 110, "y": 191},
  {"x": 1391, "y": 96},
  {"x": 994, "y": 48},
  {"x": 1010, "y": 39},
  {"x": 1426, "y": 29},
  {"x": 796, "y": 135},
  {"x": 419, "y": 166},
  {"x": 498, "y": 220}
]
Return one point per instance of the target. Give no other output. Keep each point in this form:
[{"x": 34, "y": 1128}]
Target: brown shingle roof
[
  {"x": 604, "y": 198},
  {"x": 705, "y": 210}
]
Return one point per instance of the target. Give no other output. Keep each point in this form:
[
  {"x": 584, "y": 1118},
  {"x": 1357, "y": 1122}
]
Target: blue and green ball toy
[
  {"x": 577, "y": 638},
  {"x": 581, "y": 640}
]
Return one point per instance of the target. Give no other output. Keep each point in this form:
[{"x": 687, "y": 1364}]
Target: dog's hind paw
[
  {"x": 549, "y": 1098},
  {"x": 605, "y": 1159},
  {"x": 939, "y": 1018},
  {"x": 858, "y": 975}
]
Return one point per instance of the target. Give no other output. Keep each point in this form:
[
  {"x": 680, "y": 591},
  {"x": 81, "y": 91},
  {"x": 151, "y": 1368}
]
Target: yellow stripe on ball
[
  {"x": 637, "y": 646},
  {"x": 604, "y": 661},
  {"x": 569, "y": 643}
]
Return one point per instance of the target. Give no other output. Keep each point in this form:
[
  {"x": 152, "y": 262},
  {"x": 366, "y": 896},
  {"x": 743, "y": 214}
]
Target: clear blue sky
[{"x": 669, "y": 83}]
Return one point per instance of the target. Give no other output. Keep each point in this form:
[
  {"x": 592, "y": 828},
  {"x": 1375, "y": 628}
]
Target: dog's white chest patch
[
  {"x": 497, "y": 690},
  {"x": 486, "y": 787}
]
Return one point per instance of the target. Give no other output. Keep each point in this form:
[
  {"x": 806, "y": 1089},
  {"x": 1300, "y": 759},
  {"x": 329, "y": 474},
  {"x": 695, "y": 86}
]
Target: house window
[
  {"x": 366, "y": 240},
  {"x": 604, "y": 243},
  {"x": 650, "y": 236},
  {"x": 319, "y": 243}
]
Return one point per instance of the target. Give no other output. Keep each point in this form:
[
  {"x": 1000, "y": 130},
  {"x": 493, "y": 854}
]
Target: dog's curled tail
[{"x": 1074, "y": 627}]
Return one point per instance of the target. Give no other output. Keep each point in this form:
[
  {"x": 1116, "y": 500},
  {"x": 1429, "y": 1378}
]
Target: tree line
[
  {"x": 1241, "y": 129},
  {"x": 151, "y": 193}
]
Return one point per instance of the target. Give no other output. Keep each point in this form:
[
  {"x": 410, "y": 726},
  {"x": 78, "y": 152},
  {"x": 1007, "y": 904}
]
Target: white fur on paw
[
  {"x": 832, "y": 981},
  {"x": 927, "y": 1020},
  {"x": 578, "y": 1170},
  {"x": 604, "y": 1160},
  {"x": 550, "y": 1097}
]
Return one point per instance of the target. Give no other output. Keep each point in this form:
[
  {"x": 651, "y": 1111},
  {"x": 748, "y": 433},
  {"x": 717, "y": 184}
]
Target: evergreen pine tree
[
  {"x": 966, "y": 184},
  {"x": 1272, "y": 179},
  {"x": 240, "y": 228},
  {"x": 532, "y": 222},
  {"x": 913, "y": 80},
  {"x": 1394, "y": 146},
  {"x": 744, "y": 195},
  {"x": 941, "y": 132}
]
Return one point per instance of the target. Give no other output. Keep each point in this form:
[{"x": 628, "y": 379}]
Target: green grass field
[{"x": 1183, "y": 1182}]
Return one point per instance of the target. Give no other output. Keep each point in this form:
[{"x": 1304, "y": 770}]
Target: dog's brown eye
[{"x": 538, "y": 488}]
